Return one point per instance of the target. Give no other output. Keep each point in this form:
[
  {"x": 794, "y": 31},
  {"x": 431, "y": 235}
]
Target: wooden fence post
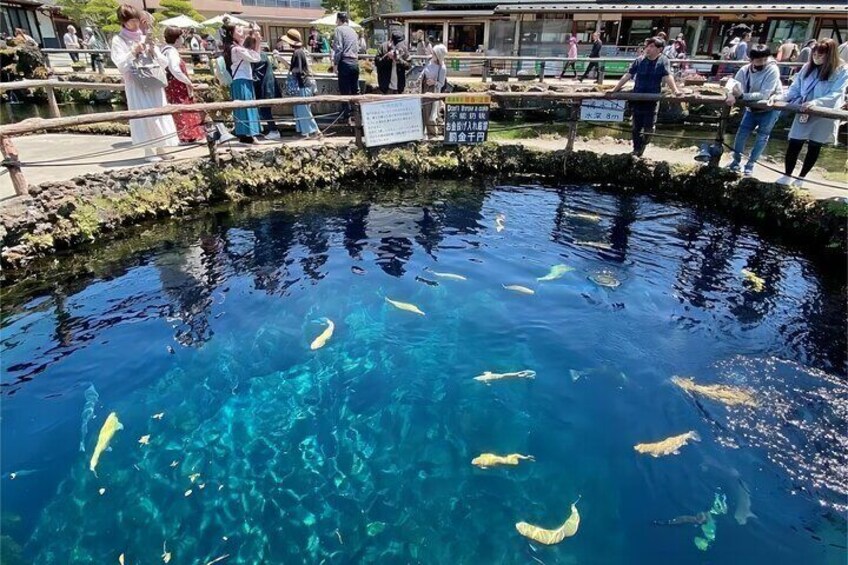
[
  {"x": 715, "y": 158},
  {"x": 51, "y": 101},
  {"x": 11, "y": 162},
  {"x": 601, "y": 72},
  {"x": 573, "y": 120},
  {"x": 357, "y": 124},
  {"x": 542, "y": 71},
  {"x": 485, "y": 74}
]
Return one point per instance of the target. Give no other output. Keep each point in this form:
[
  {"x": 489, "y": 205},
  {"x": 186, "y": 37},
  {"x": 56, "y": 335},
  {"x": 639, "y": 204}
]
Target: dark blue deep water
[{"x": 360, "y": 452}]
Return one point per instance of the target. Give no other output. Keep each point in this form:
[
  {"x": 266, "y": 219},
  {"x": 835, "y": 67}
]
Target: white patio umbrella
[
  {"x": 330, "y": 20},
  {"x": 181, "y": 21},
  {"x": 219, "y": 20}
]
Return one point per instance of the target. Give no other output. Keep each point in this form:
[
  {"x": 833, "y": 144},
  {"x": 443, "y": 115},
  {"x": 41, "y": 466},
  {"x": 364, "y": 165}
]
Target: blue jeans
[
  {"x": 304, "y": 122},
  {"x": 763, "y": 122}
]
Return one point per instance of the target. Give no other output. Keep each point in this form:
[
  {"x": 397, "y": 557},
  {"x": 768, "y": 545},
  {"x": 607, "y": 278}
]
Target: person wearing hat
[
  {"x": 392, "y": 62},
  {"x": 572, "y": 55},
  {"x": 301, "y": 83},
  {"x": 90, "y": 41}
]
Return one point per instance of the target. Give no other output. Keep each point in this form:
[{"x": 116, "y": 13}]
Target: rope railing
[{"x": 572, "y": 99}]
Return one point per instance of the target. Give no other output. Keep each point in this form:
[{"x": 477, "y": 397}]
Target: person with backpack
[
  {"x": 142, "y": 66},
  {"x": 757, "y": 81},
  {"x": 238, "y": 66},
  {"x": 180, "y": 90},
  {"x": 433, "y": 79},
  {"x": 264, "y": 84}
]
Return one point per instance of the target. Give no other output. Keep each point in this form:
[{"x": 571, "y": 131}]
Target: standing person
[
  {"x": 806, "y": 51},
  {"x": 819, "y": 83},
  {"x": 194, "y": 46},
  {"x": 741, "y": 51},
  {"x": 301, "y": 83},
  {"x": 787, "y": 53},
  {"x": 345, "y": 59},
  {"x": 72, "y": 42},
  {"x": 843, "y": 52},
  {"x": 572, "y": 55},
  {"x": 312, "y": 43},
  {"x": 211, "y": 44},
  {"x": 433, "y": 79},
  {"x": 649, "y": 72},
  {"x": 91, "y": 41},
  {"x": 264, "y": 84},
  {"x": 128, "y": 46},
  {"x": 422, "y": 46},
  {"x": 363, "y": 43},
  {"x": 239, "y": 61},
  {"x": 392, "y": 62},
  {"x": 597, "y": 45},
  {"x": 757, "y": 81},
  {"x": 180, "y": 90}
]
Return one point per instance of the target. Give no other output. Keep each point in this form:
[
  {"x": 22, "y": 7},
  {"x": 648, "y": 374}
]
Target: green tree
[
  {"x": 74, "y": 10},
  {"x": 174, "y": 8},
  {"x": 101, "y": 14}
]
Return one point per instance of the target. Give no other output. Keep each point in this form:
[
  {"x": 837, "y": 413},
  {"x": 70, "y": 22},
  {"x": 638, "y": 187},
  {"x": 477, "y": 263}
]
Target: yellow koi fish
[
  {"x": 449, "y": 276},
  {"x": 758, "y": 284},
  {"x": 486, "y": 460},
  {"x": 668, "y": 446},
  {"x": 726, "y": 394},
  {"x": 551, "y": 537},
  {"x": 520, "y": 289},
  {"x": 405, "y": 306},
  {"x": 489, "y": 376},
  {"x": 325, "y": 336},
  {"x": 107, "y": 432}
]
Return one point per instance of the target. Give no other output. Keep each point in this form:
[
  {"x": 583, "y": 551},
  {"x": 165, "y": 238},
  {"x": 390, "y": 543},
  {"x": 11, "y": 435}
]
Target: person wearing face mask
[
  {"x": 128, "y": 47},
  {"x": 757, "y": 81},
  {"x": 820, "y": 83}
]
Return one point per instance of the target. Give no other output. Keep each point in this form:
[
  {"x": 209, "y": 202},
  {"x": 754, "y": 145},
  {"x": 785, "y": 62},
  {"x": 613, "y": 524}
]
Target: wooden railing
[{"x": 12, "y": 163}]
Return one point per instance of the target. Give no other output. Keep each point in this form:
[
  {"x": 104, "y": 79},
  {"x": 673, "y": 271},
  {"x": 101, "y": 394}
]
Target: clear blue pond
[{"x": 360, "y": 452}]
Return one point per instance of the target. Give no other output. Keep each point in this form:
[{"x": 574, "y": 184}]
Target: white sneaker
[
  {"x": 798, "y": 183},
  {"x": 153, "y": 159},
  {"x": 784, "y": 180},
  {"x": 272, "y": 135}
]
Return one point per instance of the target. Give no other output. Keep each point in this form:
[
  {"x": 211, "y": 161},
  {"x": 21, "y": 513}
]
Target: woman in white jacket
[
  {"x": 153, "y": 133},
  {"x": 820, "y": 83}
]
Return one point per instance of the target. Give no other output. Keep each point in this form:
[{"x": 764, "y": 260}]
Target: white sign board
[
  {"x": 392, "y": 121},
  {"x": 602, "y": 111}
]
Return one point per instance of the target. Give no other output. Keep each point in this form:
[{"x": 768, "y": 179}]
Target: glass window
[
  {"x": 545, "y": 36},
  {"x": 433, "y": 32},
  {"x": 834, "y": 29},
  {"x": 501, "y": 37},
  {"x": 583, "y": 29},
  {"x": 466, "y": 37},
  {"x": 779, "y": 30},
  {"x": 639, "y": 30}
]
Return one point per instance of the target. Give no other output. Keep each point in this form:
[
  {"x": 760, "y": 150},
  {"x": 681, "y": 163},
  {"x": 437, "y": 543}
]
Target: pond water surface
[{"x": 238, "y": 440}]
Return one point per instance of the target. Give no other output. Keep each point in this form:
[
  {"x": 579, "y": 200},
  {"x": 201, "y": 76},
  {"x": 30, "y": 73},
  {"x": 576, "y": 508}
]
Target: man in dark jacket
[
  {"x": 392, "y": 62},
  {"x": 597, "y": 44}
]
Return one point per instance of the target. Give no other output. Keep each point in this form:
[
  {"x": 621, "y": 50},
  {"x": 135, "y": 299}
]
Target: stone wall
[{"x": 63, "y": 215}]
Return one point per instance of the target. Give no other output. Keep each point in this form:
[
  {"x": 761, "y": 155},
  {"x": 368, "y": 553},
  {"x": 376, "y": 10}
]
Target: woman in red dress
[{"x": 180, "y": 90}]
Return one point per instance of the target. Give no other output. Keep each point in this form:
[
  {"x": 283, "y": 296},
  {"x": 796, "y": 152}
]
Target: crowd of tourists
[{"x": 155, "y": 74}]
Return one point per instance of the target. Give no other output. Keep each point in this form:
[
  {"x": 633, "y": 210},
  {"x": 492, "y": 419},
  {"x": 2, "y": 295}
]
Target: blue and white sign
[{"x": 602, "y": 111}]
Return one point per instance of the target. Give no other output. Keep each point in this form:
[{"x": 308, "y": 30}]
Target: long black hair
[{"x": 227, "y": 40}]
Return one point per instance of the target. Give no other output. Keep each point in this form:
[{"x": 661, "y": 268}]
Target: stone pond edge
[{"x": 68, "y": 214}]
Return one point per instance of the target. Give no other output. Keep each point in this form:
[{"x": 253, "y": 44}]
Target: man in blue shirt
[{"x": 649, "y": 71}]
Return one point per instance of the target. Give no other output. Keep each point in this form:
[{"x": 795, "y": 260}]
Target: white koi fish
[
  {"x": 520, "y": 289},
  {"x": 325, "y": 336},
  {"x": 489, "y": 376},
  {"x": 556, "y": 272},
  {"x": 405, "y": 306},
  {"x": 449, "y": 276}
]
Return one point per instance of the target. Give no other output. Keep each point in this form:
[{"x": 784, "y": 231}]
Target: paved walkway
[{"x": 57, "y": 157}]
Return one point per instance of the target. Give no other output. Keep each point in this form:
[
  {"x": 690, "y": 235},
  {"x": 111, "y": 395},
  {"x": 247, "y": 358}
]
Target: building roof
[
  {"x": 766, "y": 7},
  {"x": 440, "y": 14},
  {"x": 256, "y": 13}
]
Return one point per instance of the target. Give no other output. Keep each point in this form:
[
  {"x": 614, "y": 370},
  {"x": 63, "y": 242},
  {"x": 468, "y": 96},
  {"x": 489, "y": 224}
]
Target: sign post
[
  {"x": 466, "y": 119},
  {"x": 392, "y": 121}
]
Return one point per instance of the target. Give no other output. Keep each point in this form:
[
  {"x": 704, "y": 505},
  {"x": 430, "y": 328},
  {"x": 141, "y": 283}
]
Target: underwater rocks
[{"x": 66, "y": 214}]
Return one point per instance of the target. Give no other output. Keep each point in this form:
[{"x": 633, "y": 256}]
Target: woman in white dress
[{"x": 153, "y": 133}]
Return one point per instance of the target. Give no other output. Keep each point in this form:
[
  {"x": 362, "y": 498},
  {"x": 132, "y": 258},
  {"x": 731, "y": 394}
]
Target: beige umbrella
[
  {"x": 181, "y": 21},
  {"x": 219, "y": 20},
  {"x": 330, "y": 20}
]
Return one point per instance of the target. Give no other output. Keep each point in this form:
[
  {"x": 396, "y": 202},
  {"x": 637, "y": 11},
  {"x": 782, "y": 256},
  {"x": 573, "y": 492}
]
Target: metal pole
[{"x": 722, "y": 128}]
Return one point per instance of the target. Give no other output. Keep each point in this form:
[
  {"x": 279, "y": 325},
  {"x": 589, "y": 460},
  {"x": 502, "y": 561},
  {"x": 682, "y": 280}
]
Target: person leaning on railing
[
  {"x": 649, "y": 71},
  {"x": 820, "y": 83},
  {"x": 757, "y": 81}
]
